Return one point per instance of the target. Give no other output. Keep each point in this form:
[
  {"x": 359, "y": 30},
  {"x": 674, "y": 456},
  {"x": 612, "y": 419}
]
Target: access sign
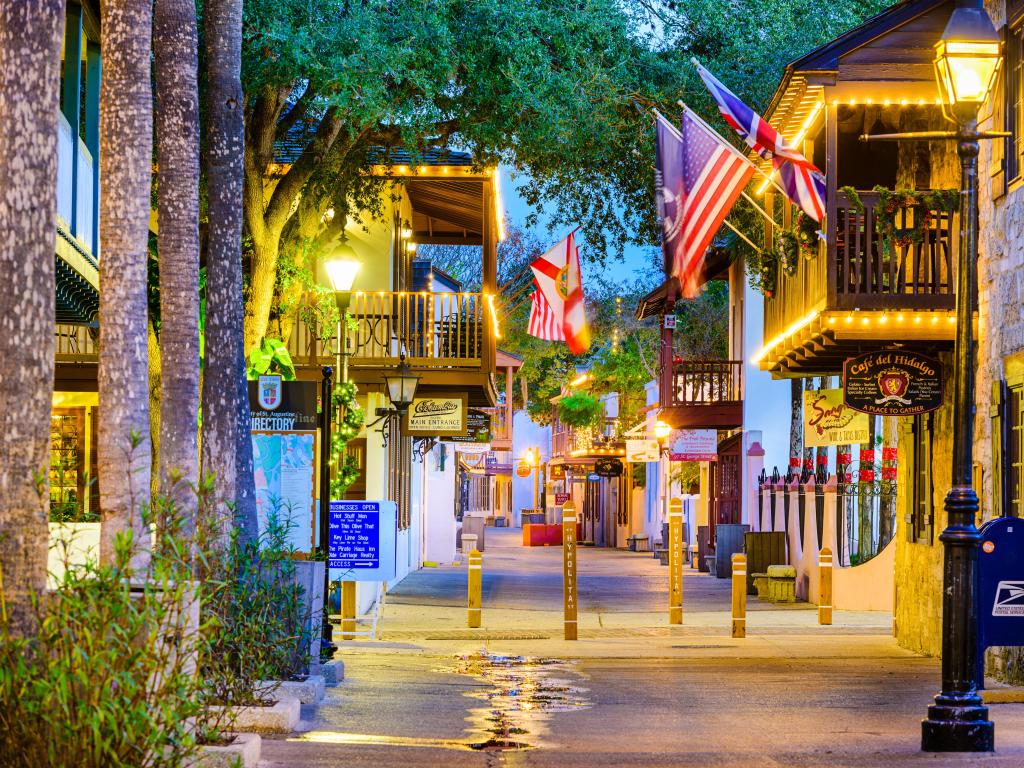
[
  {"x": 892, "y": 383},
  {"x": 1000, "y": 586},
  {"x": 362, "y": 540}
]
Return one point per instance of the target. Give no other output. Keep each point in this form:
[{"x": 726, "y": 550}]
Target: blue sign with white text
[
  {"x": 1000, "y": 586},
  {"x": 361, "y": 540}
]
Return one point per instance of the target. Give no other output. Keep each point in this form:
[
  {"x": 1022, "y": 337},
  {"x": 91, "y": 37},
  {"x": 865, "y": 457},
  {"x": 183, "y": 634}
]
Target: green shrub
[
  {"x": 580, "y": 409},
  {"x": 110, "y": 679},
  {"x": 258, "y": 622}
]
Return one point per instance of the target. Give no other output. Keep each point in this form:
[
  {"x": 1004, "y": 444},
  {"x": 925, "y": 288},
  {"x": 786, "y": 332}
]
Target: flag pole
[
  {"x": 770, "y": 178},
  {"x": 741, "y": 235}
]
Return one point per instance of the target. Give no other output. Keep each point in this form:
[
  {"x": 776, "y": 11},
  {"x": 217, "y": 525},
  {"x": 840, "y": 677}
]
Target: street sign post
[
  {"x": 569, "y": 569},
  {"x": 1000, "y": 609},
  {"x": 675, "y": 562}
]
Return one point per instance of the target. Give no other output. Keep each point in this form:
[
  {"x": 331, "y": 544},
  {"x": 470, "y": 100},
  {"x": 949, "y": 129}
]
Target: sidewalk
[{"x": 632, "y": 691}]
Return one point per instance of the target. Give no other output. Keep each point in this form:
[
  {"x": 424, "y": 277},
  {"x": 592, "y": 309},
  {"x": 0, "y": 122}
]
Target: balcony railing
[
  {"x": 431, "y": 330},
  {"x": 565, "y": 441},
  {"x": 858, "y": 270},
  {"x": 706, "y": 382},
  {"x": 75, "y": 344}
]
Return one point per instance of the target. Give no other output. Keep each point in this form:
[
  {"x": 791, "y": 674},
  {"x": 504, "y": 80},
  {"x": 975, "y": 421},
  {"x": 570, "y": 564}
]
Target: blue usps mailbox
[
  {"x": 361, "y": 540},
  {"x": 1000, "y": 587}
]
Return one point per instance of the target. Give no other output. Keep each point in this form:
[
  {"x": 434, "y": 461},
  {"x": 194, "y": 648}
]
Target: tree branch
[{"x": 296, "y": 113}]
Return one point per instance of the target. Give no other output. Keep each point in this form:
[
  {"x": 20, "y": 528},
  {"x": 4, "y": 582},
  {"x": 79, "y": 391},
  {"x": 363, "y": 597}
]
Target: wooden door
[{"x": 727, "y": 483}]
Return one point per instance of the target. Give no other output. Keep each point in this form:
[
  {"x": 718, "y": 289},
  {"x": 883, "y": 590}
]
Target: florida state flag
[{"x": 558, "y": 313}]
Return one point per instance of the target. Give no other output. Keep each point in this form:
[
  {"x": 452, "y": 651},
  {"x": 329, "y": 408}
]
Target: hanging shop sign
[
  {"x": 829, "y": 421},
  {"x": 892, "y": 383},
  {"x": 556, "y": 472},
  {"x": 561, "y": 498},
  {"x": 695, "y": 445},
  {"x": 640, "y": 451},
  {"x": 437, "y": 416},
  {"x": 493, "y": 467},
  {"x": 608, "y": 468},
  {"x": 523, "y": 469},
  {"x": 478, "y": 428}
]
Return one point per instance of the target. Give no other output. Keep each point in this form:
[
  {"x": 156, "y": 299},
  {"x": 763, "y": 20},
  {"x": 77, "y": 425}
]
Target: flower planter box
[
  {"x": 308, "y": 691},
  {"x": 244, "y": 751},
  {"x": 281, "y": 717}
]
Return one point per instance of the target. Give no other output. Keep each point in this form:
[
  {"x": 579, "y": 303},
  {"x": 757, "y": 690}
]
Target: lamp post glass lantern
[
  {"x": 401, "y": 386},
  {"x": 967, "y": 60}
]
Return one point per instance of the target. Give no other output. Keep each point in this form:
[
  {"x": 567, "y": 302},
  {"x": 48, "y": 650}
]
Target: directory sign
[
  {"x": 1000, "y": 586},
  {"x": 361, "y": 541}
]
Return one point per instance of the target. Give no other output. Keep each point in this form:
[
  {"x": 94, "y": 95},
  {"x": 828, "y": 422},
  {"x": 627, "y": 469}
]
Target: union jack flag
[
  {"x": 699, "y": 177},
  {"x": 803, "y": 183}
]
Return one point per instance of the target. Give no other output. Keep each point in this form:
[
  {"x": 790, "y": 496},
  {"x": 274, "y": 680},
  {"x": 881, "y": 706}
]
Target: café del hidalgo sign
[{"x": 892, "y": 383}]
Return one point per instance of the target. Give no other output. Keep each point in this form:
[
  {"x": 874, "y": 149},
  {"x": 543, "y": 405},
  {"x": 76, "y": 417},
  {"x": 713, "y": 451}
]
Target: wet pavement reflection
[{"x": 522, "y": 694}]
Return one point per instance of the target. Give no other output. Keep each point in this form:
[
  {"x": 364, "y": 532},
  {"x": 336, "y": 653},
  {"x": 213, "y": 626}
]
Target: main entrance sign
[
  {"x": 892, "y": 383},
  {"x": 437, "y": 416}
]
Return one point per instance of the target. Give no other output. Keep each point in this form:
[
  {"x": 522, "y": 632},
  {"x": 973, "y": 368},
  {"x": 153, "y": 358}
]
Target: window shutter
[
  {"x": 924, "y": 475},
  {"x": 908, "y": 442},
  {"x": 997, "y": 406},
  {"x": 1002, "y": 96}
]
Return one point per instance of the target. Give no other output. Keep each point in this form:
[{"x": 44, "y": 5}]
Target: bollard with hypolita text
[
  {"x": 569, "y": 568},
  {"x": 675, "y": 561},
  {"x": 475, "y": 582}
]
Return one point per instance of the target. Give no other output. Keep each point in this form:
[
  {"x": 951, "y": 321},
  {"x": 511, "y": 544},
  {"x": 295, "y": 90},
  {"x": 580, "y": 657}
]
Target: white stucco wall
[
  {"x": 765, "y": 401},
  {"x": 526, "y": 434},
  {"x": 439, "y": 503}
]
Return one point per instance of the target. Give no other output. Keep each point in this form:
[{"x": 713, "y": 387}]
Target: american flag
[
  {"x": 699, "y": 177},
  {"x": 544, "y": 323},
  {"x": 803, "y": 183}
]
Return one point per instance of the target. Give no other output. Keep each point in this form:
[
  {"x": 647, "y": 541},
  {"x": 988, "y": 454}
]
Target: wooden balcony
[
  {"x": 448, "y": 337},
  {"x": 859, "y": 293},
  {"x": 501, "y": 429},
  {"x": 703, "y": 394},
  {"x": 587, "y": 443}
]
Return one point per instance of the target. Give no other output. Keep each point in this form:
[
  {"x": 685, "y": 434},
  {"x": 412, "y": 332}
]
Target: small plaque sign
[
  {"x": 608, "y": 468},
  {"x": 437, "y": 416},
  {"x": 892, "y": 383}
]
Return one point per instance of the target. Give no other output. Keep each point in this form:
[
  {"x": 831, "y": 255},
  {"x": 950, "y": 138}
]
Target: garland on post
[
  {"x": 791, "y": 245},
  {"x": 923, "y": 203},
  {"x": 350, "y": 420}
]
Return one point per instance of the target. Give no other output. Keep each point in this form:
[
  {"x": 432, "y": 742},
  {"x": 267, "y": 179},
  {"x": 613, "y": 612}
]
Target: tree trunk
[
  {"x": 226, "y": 442},
  {"x": 30, "y": 39},
  {"x": 177, "y": 131},
  {"x": 261, "y": 288},
  {"x": 796, "y": 423},
  {"x": 126, "y": 157},
  {"x": 155, "y": 376}
]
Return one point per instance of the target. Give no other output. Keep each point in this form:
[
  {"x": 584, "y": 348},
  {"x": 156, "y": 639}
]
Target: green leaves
[
  {"x": 271, "y": 356},
  {"x": 580, "y": 409}
]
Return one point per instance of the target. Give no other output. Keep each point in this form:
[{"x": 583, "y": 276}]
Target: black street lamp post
[{"x": 967, "y": 59}]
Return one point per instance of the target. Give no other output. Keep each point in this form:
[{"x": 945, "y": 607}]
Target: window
[{"x": 920, "y": 516}]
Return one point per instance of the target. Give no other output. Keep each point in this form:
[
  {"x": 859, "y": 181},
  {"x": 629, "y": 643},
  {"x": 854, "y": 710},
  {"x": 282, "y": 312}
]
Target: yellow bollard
[
  {"x": 475, "y": 581},
  {"x": 569, "y": 569},
  {"x": 675, "y": 562},
  {"x": 825, "y": 586},
  {"x": 348, "y": 610},
  {"x": 739, "y": 595}
]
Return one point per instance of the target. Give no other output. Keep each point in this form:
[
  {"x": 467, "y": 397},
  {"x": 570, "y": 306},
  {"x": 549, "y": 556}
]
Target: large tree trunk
[
  {"x": 30, "y": 37},
  {"x": 227, "y": 442},
  {"x": 177, "y": 129},
  {"x": 126, "y": 157}
]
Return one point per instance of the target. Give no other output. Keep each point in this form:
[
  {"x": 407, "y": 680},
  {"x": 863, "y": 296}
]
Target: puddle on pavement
[{"x": 523, "y": 694}]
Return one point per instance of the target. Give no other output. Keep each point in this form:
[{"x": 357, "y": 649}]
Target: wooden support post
[
  {"x": 569, "y": 569},
  {"x": 475, "y": 585},
  {"x": 739, "y": 595},
  {"x": 348, "y": 610},
  {"x": 825, "y": 586},
  {"x": 675, "y": 562}
]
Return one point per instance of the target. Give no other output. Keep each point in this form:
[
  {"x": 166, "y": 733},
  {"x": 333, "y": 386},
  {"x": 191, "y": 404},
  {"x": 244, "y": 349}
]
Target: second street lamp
[{"x": 966, "y": 62}]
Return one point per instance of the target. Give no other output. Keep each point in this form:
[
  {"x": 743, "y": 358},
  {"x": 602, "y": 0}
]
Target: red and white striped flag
[
  {"x": 558, "y": 313},
  {"x": 543, "y": 322},
  {"x": 699, "y": 177}
]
